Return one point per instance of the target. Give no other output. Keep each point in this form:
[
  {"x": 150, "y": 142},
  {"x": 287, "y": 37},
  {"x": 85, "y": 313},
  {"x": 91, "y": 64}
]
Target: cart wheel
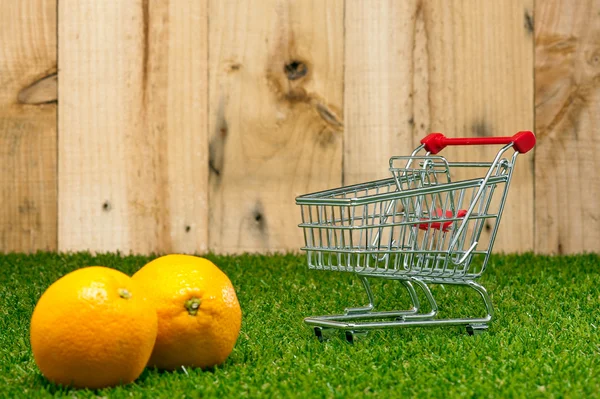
[
  {"x": 319, "y": 334},
  {"x": 476, "y": 329},
  {"x": 351, "y": 334},
  {"x": 350, "y": 337}
]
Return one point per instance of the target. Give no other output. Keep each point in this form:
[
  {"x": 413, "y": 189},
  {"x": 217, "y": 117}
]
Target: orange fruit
[
  {"x": 93, "y": 328},
  {"x": 199, "y": 316}
]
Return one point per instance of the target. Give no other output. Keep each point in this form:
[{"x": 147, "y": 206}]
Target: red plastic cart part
[
  {"x": 522, "y": 141},
  {"x": 445, "y": 225}
]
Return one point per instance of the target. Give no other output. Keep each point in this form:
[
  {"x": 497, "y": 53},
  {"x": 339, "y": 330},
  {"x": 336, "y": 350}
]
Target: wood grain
[
  {"x": 132, "y": 120},
  {"x": 567, "y": 89},
  {"x": 461, "y": 68},
  {"x": 170, "y": 142},
  {"x": 480, "y": 72},
  {"x": 28, "y": 126},
  {"x": 275, "y": 119},
  {"x": 382, "y": 78}
]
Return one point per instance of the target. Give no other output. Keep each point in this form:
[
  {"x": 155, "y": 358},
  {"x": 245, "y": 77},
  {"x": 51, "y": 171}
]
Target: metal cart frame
[{"x": 419, "y": 227}]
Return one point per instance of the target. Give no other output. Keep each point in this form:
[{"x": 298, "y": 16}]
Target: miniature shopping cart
[{"x": 421, "y": 226}]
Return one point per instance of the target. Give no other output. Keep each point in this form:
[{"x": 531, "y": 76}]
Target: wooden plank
[
  {"x": 132, "y": 143},
  {"x": 275, "y": 118},
  {"x": 461, "y": 68},
  {"x": 567, "y": 88},
  {"x": 379, "y": 85},
  {"x": 28, "y": 125},
  {"x": 480, "y": 74}
]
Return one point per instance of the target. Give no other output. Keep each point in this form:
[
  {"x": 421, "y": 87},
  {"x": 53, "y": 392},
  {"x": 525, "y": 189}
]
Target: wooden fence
[{"x": 191, "y": 125}]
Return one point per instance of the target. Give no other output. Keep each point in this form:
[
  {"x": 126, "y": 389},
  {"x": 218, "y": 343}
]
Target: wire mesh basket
[{"x": 419, "y": 227}]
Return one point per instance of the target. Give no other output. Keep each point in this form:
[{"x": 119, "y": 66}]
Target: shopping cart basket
[{"x": 421, "y": 226}]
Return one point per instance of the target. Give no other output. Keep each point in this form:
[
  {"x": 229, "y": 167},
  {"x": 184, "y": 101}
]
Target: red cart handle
[{"x": 522, "y": 141}]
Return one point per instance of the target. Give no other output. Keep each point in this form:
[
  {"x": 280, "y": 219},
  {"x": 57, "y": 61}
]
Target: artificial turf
[{"x": 543, "y": 342}]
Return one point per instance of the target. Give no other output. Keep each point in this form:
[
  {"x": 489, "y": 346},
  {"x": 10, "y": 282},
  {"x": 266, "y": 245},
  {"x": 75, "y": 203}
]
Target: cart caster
[
  {"x": 476, "y": 329},
  {"x": 350, "y": 334},
  {"x": 321, "y": 333}
]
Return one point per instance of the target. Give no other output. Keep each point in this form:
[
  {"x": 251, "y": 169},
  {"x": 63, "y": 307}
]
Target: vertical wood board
[
  {"x": 132, "y": 121},
  {"x": 28, "y": 126},
  {"x": 382, "y": 78},
  {"x": 479, "y": 58},
  {"x": 275, "y": 119},
  {"x": 567, "y": 90}
]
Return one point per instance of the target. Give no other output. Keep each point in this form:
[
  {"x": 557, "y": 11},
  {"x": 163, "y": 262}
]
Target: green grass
[{"x": 544, "y": 341}]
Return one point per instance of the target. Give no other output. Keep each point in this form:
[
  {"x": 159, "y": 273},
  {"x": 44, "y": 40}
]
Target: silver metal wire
[{"x": 419, "y": 227}]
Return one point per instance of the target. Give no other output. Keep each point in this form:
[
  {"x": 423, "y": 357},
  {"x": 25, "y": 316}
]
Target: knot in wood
[{"x": 295, "y": 70}]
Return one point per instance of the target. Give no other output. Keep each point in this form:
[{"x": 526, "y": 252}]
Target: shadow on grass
[
  {"x": 39, "y": 380},
  {"x": 148, "y": 374}
]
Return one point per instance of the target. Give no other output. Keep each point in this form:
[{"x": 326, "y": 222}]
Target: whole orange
[
  {"x": 93, "y": 328},
  {"x": 199, "y": 316}
]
